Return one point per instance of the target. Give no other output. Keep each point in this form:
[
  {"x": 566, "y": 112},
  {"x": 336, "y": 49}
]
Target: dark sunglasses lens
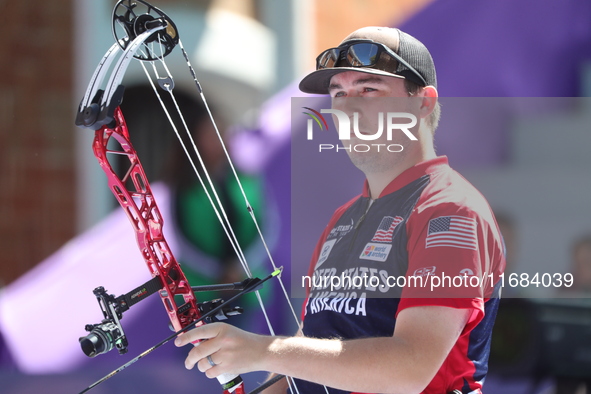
[
  {"x": 328, "y": 58},
  {"x": 362, "y": 55}
]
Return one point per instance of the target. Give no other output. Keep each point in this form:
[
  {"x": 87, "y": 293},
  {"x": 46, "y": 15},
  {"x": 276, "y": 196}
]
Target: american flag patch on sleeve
[{"x": 452, "y": 231}]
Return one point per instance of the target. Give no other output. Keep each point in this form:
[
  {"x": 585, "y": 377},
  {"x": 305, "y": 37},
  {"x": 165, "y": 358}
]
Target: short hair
[{"x": 433, "y": 119}]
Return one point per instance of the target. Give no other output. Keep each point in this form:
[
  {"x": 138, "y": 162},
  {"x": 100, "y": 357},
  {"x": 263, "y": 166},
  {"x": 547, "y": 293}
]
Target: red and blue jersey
[{"x": 429, "y": 226}]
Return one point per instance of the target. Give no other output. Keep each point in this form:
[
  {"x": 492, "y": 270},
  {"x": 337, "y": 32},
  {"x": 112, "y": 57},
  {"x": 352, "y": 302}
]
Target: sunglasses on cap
[{"x": 366, "y": 54}]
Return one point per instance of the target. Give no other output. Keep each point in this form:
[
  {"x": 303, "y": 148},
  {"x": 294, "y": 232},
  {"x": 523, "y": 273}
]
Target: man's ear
[{"x": 429, "y": 97}]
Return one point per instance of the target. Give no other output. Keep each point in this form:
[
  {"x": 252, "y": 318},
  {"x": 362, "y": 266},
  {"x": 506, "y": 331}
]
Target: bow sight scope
[
  {"x": 108, "y": 334},
  {"x": 102, "y": 338}
]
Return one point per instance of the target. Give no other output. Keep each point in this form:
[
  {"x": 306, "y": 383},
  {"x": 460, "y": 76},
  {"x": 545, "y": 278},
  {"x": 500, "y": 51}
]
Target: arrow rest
[{"x": 132, "y": 18}]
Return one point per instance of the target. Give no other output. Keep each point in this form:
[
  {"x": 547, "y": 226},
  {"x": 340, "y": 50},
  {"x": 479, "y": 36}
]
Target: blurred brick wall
[{"x": 36, "y": 131}]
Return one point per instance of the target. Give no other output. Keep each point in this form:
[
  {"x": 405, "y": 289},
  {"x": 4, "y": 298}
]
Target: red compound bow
[{"x": 144, "y": 32}]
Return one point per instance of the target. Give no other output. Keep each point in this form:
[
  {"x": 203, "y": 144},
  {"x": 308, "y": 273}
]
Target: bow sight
[{"x": 109, "y": 334}]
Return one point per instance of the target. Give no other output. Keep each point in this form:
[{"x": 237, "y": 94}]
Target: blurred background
[{"x": 514, "y": 79}]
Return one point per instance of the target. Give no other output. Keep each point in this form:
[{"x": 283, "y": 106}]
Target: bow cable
[
  {"x": 290, "y": 380},
  {"x": 219, "y": 211},
  {"x": 218, "y": 208},
  {"x": 233, "y": 168}
]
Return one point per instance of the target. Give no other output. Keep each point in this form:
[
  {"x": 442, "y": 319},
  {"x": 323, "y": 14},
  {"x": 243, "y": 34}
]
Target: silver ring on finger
[{"x": 211, "y": 361}]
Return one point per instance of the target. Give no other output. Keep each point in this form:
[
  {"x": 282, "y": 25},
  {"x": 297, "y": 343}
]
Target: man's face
[{"x": 366, "y": 98}]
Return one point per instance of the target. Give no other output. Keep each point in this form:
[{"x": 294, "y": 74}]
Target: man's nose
[{"x": 348, "y": 104}]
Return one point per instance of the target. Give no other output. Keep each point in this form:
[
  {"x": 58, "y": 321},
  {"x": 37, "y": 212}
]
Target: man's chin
[
  {"x": 374, "y": 161},
  {"x": 365, "y": 161}
]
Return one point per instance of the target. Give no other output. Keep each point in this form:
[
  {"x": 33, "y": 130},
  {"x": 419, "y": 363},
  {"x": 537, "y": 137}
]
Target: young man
[{"x": 427, "y": 221}]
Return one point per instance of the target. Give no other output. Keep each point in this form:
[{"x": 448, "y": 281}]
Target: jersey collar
[{"x": 411, "y": 174}]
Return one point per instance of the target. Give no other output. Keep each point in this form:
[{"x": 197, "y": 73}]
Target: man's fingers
[
  {"x": 206, "y": 346},
  {"x": 204, "y": 365},
  {"x": 207, "y": 331},
  {"x": 224, "y": 344},
  {"x": 198, "y": 355}
]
